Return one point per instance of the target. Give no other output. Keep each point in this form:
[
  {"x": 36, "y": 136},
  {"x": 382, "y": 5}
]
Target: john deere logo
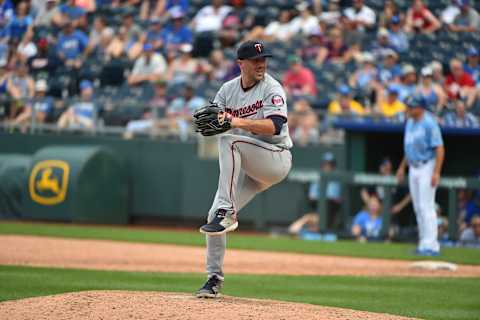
[{"x": 48, "y": 182}]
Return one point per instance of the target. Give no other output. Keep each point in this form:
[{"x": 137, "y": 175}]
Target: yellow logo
[{"x": 49, "y": 181}]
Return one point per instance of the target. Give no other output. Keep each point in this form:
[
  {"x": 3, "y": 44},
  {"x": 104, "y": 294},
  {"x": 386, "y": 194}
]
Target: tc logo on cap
[{"x": 258, "y": 47}]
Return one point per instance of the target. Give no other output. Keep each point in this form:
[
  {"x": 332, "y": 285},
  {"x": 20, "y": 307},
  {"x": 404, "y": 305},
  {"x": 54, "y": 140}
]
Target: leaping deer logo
[{"x": 48, "y": 182}]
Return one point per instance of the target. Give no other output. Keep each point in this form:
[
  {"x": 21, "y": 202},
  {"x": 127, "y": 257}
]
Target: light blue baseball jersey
[
  {"x": 333, "y": 191},
  {"x": 421, "y": 138}
]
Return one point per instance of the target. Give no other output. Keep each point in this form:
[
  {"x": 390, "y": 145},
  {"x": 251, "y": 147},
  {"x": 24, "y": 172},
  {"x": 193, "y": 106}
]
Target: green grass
[
  {"x": 239, "y": 241},
  {"x": 429, "y": 298}
]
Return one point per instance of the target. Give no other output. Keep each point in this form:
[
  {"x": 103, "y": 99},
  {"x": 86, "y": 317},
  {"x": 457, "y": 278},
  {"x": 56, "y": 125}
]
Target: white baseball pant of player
[
  {"x": 423, "y": 198},
  {"x": 247, "y": 167}
]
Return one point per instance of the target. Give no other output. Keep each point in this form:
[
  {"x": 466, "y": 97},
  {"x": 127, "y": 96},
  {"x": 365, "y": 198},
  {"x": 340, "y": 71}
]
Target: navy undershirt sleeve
[{"x": 278, "y": 122}]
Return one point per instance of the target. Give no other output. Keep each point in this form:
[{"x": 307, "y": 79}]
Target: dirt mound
[
  {"x": 116, "y": 305},
  {"x": 111, "y": 255}
]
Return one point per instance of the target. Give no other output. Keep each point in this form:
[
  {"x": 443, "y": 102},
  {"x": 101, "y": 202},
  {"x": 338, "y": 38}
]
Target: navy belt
[{"x": 417, "y": 164}]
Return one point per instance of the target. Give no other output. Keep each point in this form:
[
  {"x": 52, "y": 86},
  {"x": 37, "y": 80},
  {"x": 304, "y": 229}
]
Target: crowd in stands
[{"x": 144, "y": 65}]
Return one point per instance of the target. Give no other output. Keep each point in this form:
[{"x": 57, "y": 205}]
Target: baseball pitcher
[{"x": 253, "y": 156}]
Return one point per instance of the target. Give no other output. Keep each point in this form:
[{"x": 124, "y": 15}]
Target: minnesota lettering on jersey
[{"x": 246, "y": 111}]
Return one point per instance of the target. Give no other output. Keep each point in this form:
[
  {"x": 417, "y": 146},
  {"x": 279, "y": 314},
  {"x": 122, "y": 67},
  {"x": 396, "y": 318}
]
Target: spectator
[
  {"x": 299, "y": 81},
  {"x": 467, "y": 20},
  {"x": 43, "y": 63},
  {"x": 450, "y": 12},
  {"x": 408, "y": 83},
  {"x": 390, "y": 106},
  {"x": 437, "y": 69},
  {"x": 420, "y": 19},
  {"x": 88, "y": 6},
  {"x": 381, "y": 45},
  {"x": 99, "y": 25},
  {"x": 471, "y": 235},
  {"x": 397, "y": 38},
  {"x": 210, "y": 17},
  {"x": 71, "y": 13},
  {"x": 306, "y": 21},
  {"x": 217, "y": 68},
  {"x": 433, "y": 93},
  {"x": 310, "y": 221},
  {"x": 389, "y": 71},
  {"x": 184, "y": 68},
  {"x": 20, "y": 23},
  {"x": 310, "y": 50},
  {"x": 364, "y": 79},
  {"x": 303, "y": 123},
  {"x": 176, "y": 33},
  {"x": 389, "y": 14},
  {"x": 331, "y": 16},
  {"x": 472, "y": 67},
  {"x": 181, "y": 109},
  {"x": 460, "y": 117},
  {"x": 153, "y": 116},
  {"x": 26, "y": 48},
  {"x": 367, "y": 224},
  {"x": 155, "y": 35},
  {"x": 359, "y": 17},
  {"x": 277, "y": 30},
  {"x": 82, "y": 114},
  {"x": 149, "y": 67},
  {"x": 118, "y": 46},
  {"x": 344, "y": 104},
  {"x": 132, "y": 40},
  {"x": 334, "y": 50},
  {"x": 71, "y": 45},
  {"x": 459, "y": 83},
  {"x": 161, "y": 8},
  {"x": 6, "y": 12},
  {"x": 48, "y": 14},
  {"x": 20, "y": 87},
  {"x": 41, "y": 105}
]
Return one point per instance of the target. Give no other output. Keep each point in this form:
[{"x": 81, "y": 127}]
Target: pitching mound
[{"x": 116, "y": 305}]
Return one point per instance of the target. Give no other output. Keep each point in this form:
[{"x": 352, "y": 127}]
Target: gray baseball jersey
[
  {"x": 249, "y": 163},
  {"x": 265, "y": 99}
]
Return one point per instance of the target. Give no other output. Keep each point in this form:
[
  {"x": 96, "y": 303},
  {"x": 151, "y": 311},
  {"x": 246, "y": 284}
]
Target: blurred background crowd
[{"x": 139, "y": 67}]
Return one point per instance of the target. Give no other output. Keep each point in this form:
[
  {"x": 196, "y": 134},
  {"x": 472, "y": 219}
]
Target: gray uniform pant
[{"x": 247, "y": 167}]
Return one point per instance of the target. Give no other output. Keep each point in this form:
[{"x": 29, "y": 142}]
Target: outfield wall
[{"x": 164, "y": 179}]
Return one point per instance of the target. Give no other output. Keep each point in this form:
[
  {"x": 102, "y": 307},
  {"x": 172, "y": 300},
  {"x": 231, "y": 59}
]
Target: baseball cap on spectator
[
  {"x": 367, "y": 57},
  {"x": 186, "y": 48},
  {"x": 395, "y": 20},
  {"x": 427, "y": 71},
  {"x": 252, "y": 49},
  {"x": 472, "y": 52},
  {"x": 41, "y": 85},
  {"x": 435, "y": 65},
  {"x": 86, "y": 84},
  {"x": 42, "y": 43},
  {"x": 390, "y": 53},
  {"x": 155, "y": 21},
  {"x": 293, "y": 59},
  {"x": 344, "y": 90},
  {"x": 314, "y": 32},
  {"x": 416, "y": 101},
  {"x": 463, "y": 3},
  {"x": 328, "y": 157},
  {"x": 302, "y": 6},
  {"x": 393, "y": 89},
  {"x": 147, "y": 47},
  {"x": 176, "y": 12},
  {"x": 382, "y": 32},
  {"x": 408, "y": 68}
]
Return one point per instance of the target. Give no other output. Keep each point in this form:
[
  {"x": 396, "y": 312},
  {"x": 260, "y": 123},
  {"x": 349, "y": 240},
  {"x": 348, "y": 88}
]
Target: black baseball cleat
[
  {"x": 222, "y": 223},
  {"x": 211, "y": 288}
]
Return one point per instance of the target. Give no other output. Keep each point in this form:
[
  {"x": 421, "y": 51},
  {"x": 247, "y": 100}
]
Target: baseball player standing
[
  {"x": 253, "y": 156},
  {"x": 424, "y": 154}
]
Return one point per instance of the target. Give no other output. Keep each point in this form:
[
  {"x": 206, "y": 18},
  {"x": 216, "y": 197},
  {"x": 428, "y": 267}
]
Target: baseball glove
[{"x": 211, "y": 120}]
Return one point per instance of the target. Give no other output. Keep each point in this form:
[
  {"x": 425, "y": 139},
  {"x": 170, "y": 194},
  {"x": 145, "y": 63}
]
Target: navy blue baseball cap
[
  {"x": 252, "y": 49},
  {"x": 416, "y": 101},
  {"x": 472, "y": 52}
]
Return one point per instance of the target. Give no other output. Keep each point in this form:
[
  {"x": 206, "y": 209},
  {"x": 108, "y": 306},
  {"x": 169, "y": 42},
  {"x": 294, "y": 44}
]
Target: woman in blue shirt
[{"x": 367, "y": 224}]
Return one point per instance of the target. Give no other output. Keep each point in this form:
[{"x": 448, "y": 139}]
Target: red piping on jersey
[{"x": 233, "y": 162}]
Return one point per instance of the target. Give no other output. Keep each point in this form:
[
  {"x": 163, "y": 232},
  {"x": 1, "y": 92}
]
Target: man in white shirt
[
  {"x": 360, "y": 17},
  {"x": 149, "y": 67},
  {"x": 209, "y": 18}
]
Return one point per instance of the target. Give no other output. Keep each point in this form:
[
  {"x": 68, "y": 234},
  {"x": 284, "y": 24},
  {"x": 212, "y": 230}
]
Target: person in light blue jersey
[{"x": 424, "y": 154}]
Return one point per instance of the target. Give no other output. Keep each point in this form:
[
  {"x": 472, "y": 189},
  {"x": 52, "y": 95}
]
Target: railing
[{"x": 388, "y": 182}]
